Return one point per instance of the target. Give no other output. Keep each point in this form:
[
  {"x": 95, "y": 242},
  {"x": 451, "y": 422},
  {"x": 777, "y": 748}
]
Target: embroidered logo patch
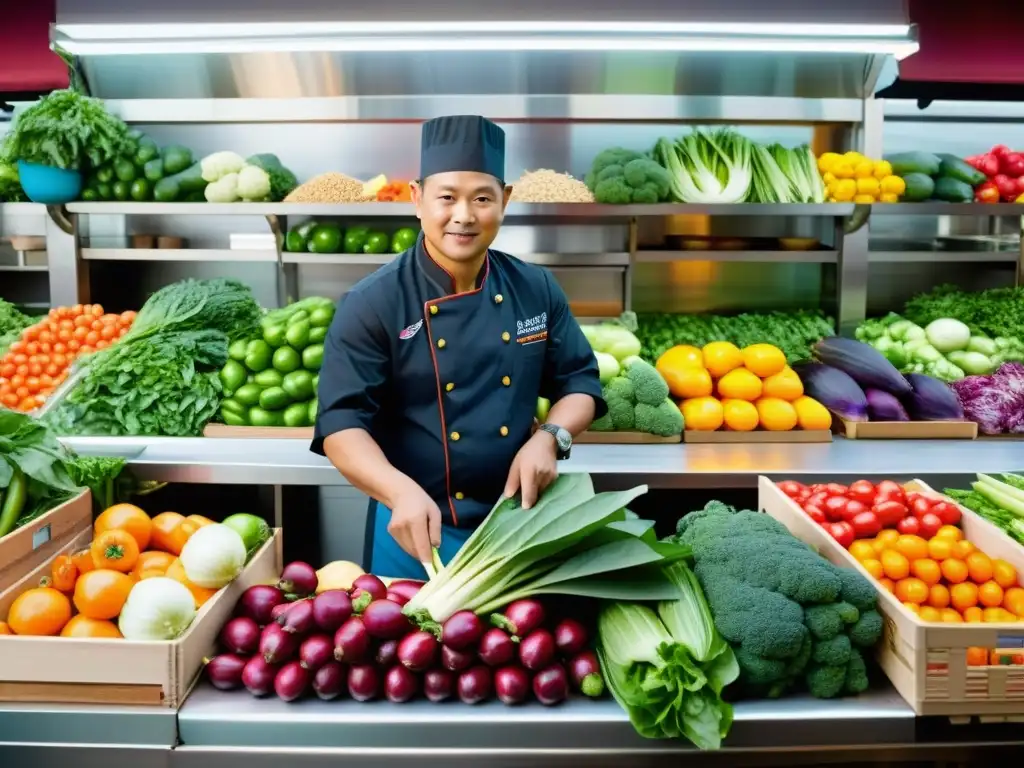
[
  {"x": 532, "y": 329},
  {"x": 411, "y": 331}
]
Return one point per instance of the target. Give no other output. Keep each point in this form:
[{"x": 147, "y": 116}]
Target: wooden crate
[
  {"x": 262, "y": 433},
  {"x": 93, "y": 671},
  {"x": 927, "y": 661},
  {"x": 41, "y": 539},
  {"x": 758, "y": 436},
  {"x": 905, "y": 430},
  {"x": 624, "y": 438}
]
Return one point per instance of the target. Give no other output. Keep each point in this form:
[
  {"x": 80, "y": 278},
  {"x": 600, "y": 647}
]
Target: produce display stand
[
  {"x": 757, "y": 436},
  {"x": 905, "y": 430}
]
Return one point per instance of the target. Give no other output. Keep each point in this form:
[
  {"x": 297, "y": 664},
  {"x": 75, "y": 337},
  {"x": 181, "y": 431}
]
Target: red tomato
[
  {"x": 817, "y": 499},
  {"x": 920, "y": 506},
  {"x": 792, "y": 488},
  {"x": 818, "y": 488},
  {"x": 909, "y": 525},
  {"x": 836, "y": 489},
  {"x": 863, "y": 491},
  {"x": 866, "y": 525},
  {"x": 930, "y": 524},
  {"x": 841, "y": 532},
  {"x": 948, "y": 513},
  {"x": 804, "y": 495},
  {"x": 835, "y": 506},
  {"x": 817, "y": 514},
  {"x": 889, "y": 513},
  {"x": 891, "y": 488},
  {"x": 854, "y": 508}
]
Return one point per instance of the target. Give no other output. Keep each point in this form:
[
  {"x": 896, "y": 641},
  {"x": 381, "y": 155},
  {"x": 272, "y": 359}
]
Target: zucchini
[
  {"x": 914, "y": 162},
  {"x": 14, "y": 502},
  {"x": 919, "y": 187},
  {"x": 952, "y": 191},
  {"x": 178, "y": 187},
  {"x": 955, "y": 168},
  {"x": 176, "y": 158}
]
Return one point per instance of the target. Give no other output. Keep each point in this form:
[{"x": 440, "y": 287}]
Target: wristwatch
[{"x": 563, "y": 440}]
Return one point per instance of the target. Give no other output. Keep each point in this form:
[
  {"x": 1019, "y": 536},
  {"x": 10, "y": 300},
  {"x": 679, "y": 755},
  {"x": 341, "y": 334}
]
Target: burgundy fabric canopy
[{"x": 27, "y": 65}]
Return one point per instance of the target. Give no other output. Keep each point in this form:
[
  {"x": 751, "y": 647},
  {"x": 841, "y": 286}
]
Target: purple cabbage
[
  {"x": 932, "y": 400},
  {"x": 995, "y": 402},
  {"x": 834, "y": 389},
  {"x": 865, "y": 364},
  {"x": 884, "y": 407}
]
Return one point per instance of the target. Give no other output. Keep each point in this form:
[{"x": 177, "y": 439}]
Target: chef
[{"x": 434, "y": 364}]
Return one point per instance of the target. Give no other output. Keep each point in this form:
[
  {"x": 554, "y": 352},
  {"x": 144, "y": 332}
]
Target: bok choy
[{"x": 710, "y": 167}]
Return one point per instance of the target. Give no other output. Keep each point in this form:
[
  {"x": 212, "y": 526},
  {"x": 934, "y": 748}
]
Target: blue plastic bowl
[{"x": 48, "y": 185}]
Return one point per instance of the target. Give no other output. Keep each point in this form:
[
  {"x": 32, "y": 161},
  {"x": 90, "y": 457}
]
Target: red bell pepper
[
  {"x": 1007, "y": 186},
  {"x": 988, "y": 164},
  {"x": 987, "y": 192},
  {"x": 1012, "y": 164}
]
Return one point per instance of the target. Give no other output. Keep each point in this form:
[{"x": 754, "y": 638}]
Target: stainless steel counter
[{"x": 289, "y": 462}]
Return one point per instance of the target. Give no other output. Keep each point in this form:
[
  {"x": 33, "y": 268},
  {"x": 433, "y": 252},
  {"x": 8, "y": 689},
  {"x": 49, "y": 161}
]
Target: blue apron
[{"x": 389, "y": 559}]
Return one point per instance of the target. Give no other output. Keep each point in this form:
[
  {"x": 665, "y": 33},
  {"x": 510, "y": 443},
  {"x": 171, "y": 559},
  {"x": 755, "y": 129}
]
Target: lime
[
  {"x": 248, "y": 394},
  {"x": 355, "y": 239},
  {"x": 233, "y": 406},
  {"x": 298, "y": 317},
  {"x": 313, "y": 357},
  {"x": 253, "y": 530},
  {"x": 234, "y": 419},
  {"x": 90, "y": 194},
  {"x": 261, "y": 418},
  {"x": 122, "y": 190},
  {"x": 376, "y": 242},
  {"x": 296, "y": 415},
  {"x": 274, "y": 335},
  {"x": 298, "y": 385},
  {"x": 237, "y": 350},
  {"x": 294, "y": 242},
  {"x": 317, "y": 335},
  {"x": 312, "y": 411},
  {"x": 268, "y": 378},
  {"x": 316, "y": 383},
  {"x": 257, "y": 356},
  {"x": 104, "y": 190},
  {"x": 297, "y": 334},
  {"x": 232, "y": 375},
  {"x": 274, "y": 399},
  {"x": 141, "y": 190},
  {"x": 325, "y": 238},
  {"x": 403, "y": 239},
  {"x": 286, "y": 360},
  {"x": 321, "y": 316}
]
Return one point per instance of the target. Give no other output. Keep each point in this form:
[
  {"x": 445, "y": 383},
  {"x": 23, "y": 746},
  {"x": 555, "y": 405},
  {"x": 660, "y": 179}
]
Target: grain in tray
[
  {"x": 547, "y": 186},
  {"x": 328, "y": 188}
]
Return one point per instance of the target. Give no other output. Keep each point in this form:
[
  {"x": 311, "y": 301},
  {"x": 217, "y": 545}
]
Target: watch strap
[{"x": 563, "y": 440}]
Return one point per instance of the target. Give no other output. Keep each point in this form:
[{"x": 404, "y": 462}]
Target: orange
[
  {"x": 785, "y": 385},
  {"x": 990, "y": 595},
  {"x": 5, "y": 628},
  {"x": 703, "y": 414},
  {"x": 896, "y": 566},
  {"x": 874, "y": 567},
  {"x": 912, "y": 547},
  {"x": 152, "y": 564},
  {"x": 950, "y": 616},
  {"x": 680, "y": 356},
  {"x": 41, "y": 611},
  {"x": 126, "y": 517},
  {"x": 687, "y": 382},
  {"x": 720, "y": 357},
  {"x": 82, "y": 560},
  {"x": 928, "y": 613},
  {"x": 100, "y": 594},
  {"x": 168, "y": 534},
  {"x": 1013, "y": 600},
  {"x": 176, "y": 571},
  {"x": 926, "y": 570},
  {"x": 912, "y": 607},
  {"x": 83, "y": 626},
  {"x": 963, "y": 596},
  {"x": 63, "y": 573},
  {"x": 938, "y": 596},
  {"x": 740, "y": 384},
  {"x": 940, "y": 548},
  {"x": 950, "y": 532},
  {"x": 973, "y": 615},
  {"x": 764, "y": 360},
  {"x": 977, "y": 657},
  {"x": 810, "y": 414},
  {"x": 739, "y": 415},
  {"x": 997, "y": 615},
  {"x": 979, "y": 567},
  {"x": 862, "y": 550},
  {"x": 962, "y": 549},
  {"x": 1004, "y": 574},
  {"x": 887, "y": 584},
  {"x": 776, "y": 415},
  {"x": 911, "y": 591},
  {"x": 955, "y": 571}
]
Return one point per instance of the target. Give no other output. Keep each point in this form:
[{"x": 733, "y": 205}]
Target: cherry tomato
[
  {"x": 948, "y": 513},
  {"x": 920, "y": 506},
  {"x": 863, "y": 491},
  {"x": 930, "y": 524},
  {"x": 841, "y": 532},
  {"x": 854, "y": 508},
  {"x": 836, "y": 489},
  {"x": 817, "y": 514},
  {"x": 865, "y": 525},
  {"x": 835, "y": 506},
  {"x": 818, "y": 498},
  {"x": 792, "y": 488},
  {"x": 889, "y": 513},
  {"x": 804, "y": 495},
  {"x": 891, "y": 488},
  {"x": 909, "y": 525},
  {"x": 819, "y": 488}
]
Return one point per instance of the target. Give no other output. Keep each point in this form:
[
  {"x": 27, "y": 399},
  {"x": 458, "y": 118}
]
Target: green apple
[{"x": 543, "y": 406}]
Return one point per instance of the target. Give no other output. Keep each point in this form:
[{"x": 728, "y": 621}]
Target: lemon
[
  {"x": 864, "y": 169},
  {"x": 845, "y": 190},
  {"x": 702, "y": 414},
  {"x": 763, "y": 359},
  {"x": 739, "y": 415},
  {"x": 882, "y": 169},
  {"x": 785, "y": 385},
  {"x": 776, "y": 415},
  {"x": 868, "y": 186},
  {"x": 739, "y": 384},
  {"x": 865, "y": 199},
  {"x": 811, "y": 414},
  {"x": 720, "y": 357},
  {"x": 827, "y": 160}
]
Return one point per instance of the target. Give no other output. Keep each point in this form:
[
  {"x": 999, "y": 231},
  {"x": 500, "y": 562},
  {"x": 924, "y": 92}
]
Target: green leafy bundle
[
  {"x": 221, "y": 305},
  {"x": 995, "y": 312},
  {"x": 67, "y": 130},
  {"x": 12, "y": 323},
  {"x": 10, "y": 183}
]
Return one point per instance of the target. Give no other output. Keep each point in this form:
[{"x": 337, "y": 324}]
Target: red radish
[
  {"x": 259, "y": 601},
  {"x": 276, "y": 645},
  {"x": 403, "y": 590},
  {"x": 512, "y": 684},
  {"x": 241, "y": 635},
  {"x": 474, "y": 685},
  {"x": 291, "y": 681},
  {"x": 537, "y": 650},
  {"x": 456, "y": 661},
  {"x": 370, "y": 583},
  {"x": 329, "y": 681},
  {"x": 387, "y": 654},
  {"x": 462, "y": 631},
  {"x": 385, "y": 620},
  {"x": 363, "y": 682},
  {"x": 331, "y": 609},
  {"x": 315, "y": 651},
  {"x": 351, "y": 642},
  {"x": 298, "y": 578},
  {"x": 225, "y": 671},
  {"x": 585, "y": 672},
  {"x": 400, "y": 684},
  {"x": 520, "y": 617},
  {"x": 299, "y": 619},
  {"x": 550, "y": 685},
  {"x": 258, "y": 676},
  {"x": 496, "y": 648},
  {"x": 570, "y": 637},
  {"x": 438, "y": 684},
  {"x": 417, "y": 651}
]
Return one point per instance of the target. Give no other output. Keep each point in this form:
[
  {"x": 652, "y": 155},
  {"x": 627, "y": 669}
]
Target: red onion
[
  {"x": 299, "y": 619},
  {"x": 225, "y": 671},
  {"x": 370, "y": 583},
  {"x": 585, "y": 672},
  {"x": 276, "y": 645},
  {"x": 258, "y": 676},
  {"x": 550, "y": 685},
  {"x": 291, "y": 681},
  {"x": 438, "y": 684},
  {"x": 298, "y": 578},
  {"x": 351, "y": 642},
  {"x": 456, "y": 661},
  {"x": 331, "y": 609},
  {"x": 385, "y": 620},
  {"x": 259, "y": 601},
  {"x": 462, "y": 630},
  {"x": 496, "y": 648},
  {"x": 520, "y": 617},
  {"x": 537, "y": 650},
  {"x": 400, "y": 684},
  {"x": 329, "y": 681},
  {"x": 241, "y": 635},
  {"x": 315, "y": 651},
  {"x": 363, "y": 682},
  {"x": 512, "y": 684},
  {"x": 570, "y": 637},
  {"x": 417, "y": 651},
  {"x": 474, "y": 685}
]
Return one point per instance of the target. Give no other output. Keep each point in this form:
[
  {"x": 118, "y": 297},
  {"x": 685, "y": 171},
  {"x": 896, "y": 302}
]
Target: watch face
[{"x": 564, "y": 439}]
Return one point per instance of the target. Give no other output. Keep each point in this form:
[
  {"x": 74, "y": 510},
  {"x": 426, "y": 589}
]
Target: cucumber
[
  {"x": 176, "y": 158},
  {"x": 919, "y": 187},
  {"x": 952, "y": 191},
  {"x": 955, "y": 168},
  {"x": 176, "y": 188},
  {"x": 13, "y": 502},
  {"x": 914, "y": 162}
]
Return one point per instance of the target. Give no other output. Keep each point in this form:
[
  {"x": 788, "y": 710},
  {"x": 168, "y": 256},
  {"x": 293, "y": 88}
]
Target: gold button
[
  {"x": 506, "y": 380},
  {"x": 449, "y": 386},
  {"x": 498, "y": 298},
  {"x": 506, "y": 337},
  {"x": 455, "y": 435},
  {"x": 433, "y": 309},
  {"x": 459, "y": 496},
  {"x": 504, "y": 431},
  {"x": 440, "y": 343}
]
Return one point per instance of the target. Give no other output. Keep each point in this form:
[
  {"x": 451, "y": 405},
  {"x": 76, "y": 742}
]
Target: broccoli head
[
  {"x": 619, "y": 395},
  {"x": 665, "y": 419},
  {"x": 616, "y": 158},
  {"x": 824, "y": 682},
  {"x": 602, "y": 424},
  {"x": 866, "y": 631},
  {"x": 832, "y": 653},
  {"x": 857, "y": 590},
  {"x": 649, "y": 385},
  {"x": 621, "y": 176},
  {"x": 856, "y": 674}
]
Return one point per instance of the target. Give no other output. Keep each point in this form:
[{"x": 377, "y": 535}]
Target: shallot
[
  {"x": 257, "y": 602},
  {"x": 329, "y": 681},
  {"x": 225, "y": 671},
  {"x": 291, "y": 681},
  {"x": 241, "y": 635},
  {"x": 258, "y": 676},
  {"x": 298, "y": 578}
]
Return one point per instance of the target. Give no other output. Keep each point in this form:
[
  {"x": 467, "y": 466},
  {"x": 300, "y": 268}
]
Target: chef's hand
[
  {"x": 534, "y": 468},
  {"x": 416, "y": 523}
]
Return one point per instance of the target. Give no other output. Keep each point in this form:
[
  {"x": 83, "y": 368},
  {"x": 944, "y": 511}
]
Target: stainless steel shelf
[
  {"x": 290, "y": 462},
  {"x": 85, "y": 724},
  {"x": 554, "y": 260},
  {"x": 179, "y": 254},
  {"x": 22, "y": 219},
  {"x": 943, "y": 257},
  {"x": 788, "y": 257},
  {"x": 25, "y": 268},
  {"x": 947, "y": 209}
]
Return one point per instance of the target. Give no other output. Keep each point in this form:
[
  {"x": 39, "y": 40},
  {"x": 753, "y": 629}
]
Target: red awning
[{"x": 27, "y": 65}]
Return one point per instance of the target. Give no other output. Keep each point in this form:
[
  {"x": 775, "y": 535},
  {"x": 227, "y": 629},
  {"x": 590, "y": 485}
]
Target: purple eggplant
[
  {"x": 403, "y": 590},
  {"x": 241, "y": 635},
  {"x": 276, "y": 645},
  {"x": 570, "y": 637},
  {"x": 520, "y": 617},
  {"x": 496, "y": 648},
  {"x": 387, "y": 654},
  {"x": 884, "y": 407},
  {"x": 329, "y": 681},
  {"x": 315, "y": 651},
  {"x": 363, "y": 682},
  {"x": 456, "y": 661},
  {"x": 512, "y": 684},
  {"x": 462, "y": 631},
  {"x": 298, "y": 620},
  {"x": 537, "y": 650},
  {"x": 585, "y": 672},
  {"x": 352, "y": 642},
  {"x": 331, "y": 609},
  {"x": 417, "y": 651},
  {"x": 258, "y": 676},
  {"x": 438, "y": 684},
  {"x": 932, "y": 400},
  {"x": 550, "y": 685},
  {"x": 385, "y": 620},
  {"x": 475, "y": 685},
  {"x": 400, "y": 684},
  {"x": 298, "y": 578},
  {"x": 291, "y": 681},
  {"x": 370, "y": 583},
  {"x": 225, "y": 671},
  {"x": 835, "y": 389},
  {"x": 865, "y": 364},
  {"x": 259, "y": 601}
]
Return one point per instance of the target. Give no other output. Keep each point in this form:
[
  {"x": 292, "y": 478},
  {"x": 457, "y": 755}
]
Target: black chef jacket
[{"x": 447, "y": 383}]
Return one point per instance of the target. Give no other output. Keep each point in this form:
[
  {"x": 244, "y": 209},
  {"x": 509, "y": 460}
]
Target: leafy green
[
  {"x": 708, "y": 166},
  {"x": 66, "y": 130},
  {"x": 10, "y": 182},
  {"x": 221, "y": 305},
  {"x": 12, "y": 323},
  {"x": 995, "y": 312},
  {"x": 100, "y": 475}
]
